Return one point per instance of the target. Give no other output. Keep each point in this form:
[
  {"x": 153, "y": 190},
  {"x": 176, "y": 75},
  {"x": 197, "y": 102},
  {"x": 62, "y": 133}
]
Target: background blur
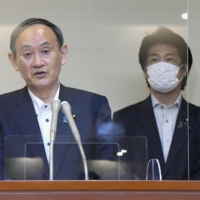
[{"x": 104, "y": 37}]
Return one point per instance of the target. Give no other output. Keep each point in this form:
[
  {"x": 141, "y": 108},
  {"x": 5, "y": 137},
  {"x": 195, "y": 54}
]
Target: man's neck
[
  {"x": 46, "y": 95},
  {"x": 166, "y": 98}
]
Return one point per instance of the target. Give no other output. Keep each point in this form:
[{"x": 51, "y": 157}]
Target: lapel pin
[
  {"x": 180, "y": 125},
  {"x": 74, "y": 116},
  {"x": 64, "y": 119},
  {"x": 187, "y": 123}
]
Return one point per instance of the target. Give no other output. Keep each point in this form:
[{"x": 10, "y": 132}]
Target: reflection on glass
[
  {"x": 164, "y": 116},
  {"x": 153, "y": 170},
  {"x": 117, "y": 158},
  {"x": 25, "y": 158}
]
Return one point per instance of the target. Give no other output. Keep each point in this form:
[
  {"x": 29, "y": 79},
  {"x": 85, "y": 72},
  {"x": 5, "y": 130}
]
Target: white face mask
[{"x": 162, "y": 76}]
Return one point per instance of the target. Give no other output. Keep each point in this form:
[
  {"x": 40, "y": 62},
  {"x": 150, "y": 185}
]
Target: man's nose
[{"x": 38, "y": 60}]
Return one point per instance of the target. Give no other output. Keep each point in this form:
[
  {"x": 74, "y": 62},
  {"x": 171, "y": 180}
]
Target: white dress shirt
[
  {"x": 166, "y": 119},
  {"x": 44, "y": 114}
]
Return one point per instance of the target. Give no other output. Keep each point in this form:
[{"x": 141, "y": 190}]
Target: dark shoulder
[
  {"x": 8, "y": 101},
  {"x": 129, "y": 109},
  {"x": 192, "y": 108},
  {"x": 191, "y": 105},
  {"x": 11, "y": 96},
  {"x": 83, "y": 93},
  {"x": 87, "y": 100},
  {"x": 84, "y": 97}
]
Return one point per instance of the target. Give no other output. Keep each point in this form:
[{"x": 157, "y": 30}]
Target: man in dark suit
[
  {"x": 37, "y": 52},
  {"x": 168, "y": 122}
]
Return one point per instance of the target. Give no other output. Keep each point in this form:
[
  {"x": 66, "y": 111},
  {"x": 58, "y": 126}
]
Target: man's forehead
[
  {"x": 34, "y": 29},
  {"x": 37, "y": 33},
  {"x": 41, "y": 28},
  {"x": 165, "y": 49}
]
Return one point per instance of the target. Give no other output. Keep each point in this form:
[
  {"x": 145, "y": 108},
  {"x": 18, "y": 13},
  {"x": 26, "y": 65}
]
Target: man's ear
[
  {"x": 185, "y": 69},
  {"x": 145, "y": 72},
  {"x": 64, "y": 51},
  {"x": 13, "y": 61}
]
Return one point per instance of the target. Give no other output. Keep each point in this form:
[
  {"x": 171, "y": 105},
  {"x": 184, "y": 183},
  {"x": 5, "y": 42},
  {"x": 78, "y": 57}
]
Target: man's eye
[
  {"x": 45, "y": 52},
  {"x": 28, "y": 55},
  {"x": 169, "y": 59},
  {"x": 154, "y": 60}
]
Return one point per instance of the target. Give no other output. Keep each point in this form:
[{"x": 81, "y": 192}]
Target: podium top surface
[{"x": 99, "y": 186}]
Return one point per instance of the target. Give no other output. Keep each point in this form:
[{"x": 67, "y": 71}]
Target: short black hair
[
  {"x": 28, "y": 22},
  {"x": 164, "y": 35}
]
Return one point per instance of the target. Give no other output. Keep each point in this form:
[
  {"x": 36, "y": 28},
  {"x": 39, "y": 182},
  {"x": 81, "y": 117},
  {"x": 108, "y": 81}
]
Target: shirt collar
[
  {"x": 38, "y": 102},
  {"x": 156, "y": 102}
]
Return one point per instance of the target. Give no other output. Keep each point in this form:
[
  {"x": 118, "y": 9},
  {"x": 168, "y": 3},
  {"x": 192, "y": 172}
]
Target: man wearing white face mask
[
  {"x": 169, "y": 123},
  {"x": 163, "y": 76}
]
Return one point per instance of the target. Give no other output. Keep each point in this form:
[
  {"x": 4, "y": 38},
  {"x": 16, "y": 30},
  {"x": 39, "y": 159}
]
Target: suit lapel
[
  {"x": 181, "y": 133},
  {"x": 26, "y": 121},
  {"x": 64, "y": 134},
  {"x": 148, "y": 124},
  {"x": 24, "y": 115}
]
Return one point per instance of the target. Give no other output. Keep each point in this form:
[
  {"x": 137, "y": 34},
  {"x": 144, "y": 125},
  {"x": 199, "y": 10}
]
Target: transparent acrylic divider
[
  {"x": 153, "y": 170},
  {"x": 108, "y": 158}
]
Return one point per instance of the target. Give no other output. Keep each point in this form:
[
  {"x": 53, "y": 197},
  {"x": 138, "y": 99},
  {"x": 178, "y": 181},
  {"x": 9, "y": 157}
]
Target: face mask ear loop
[
  {"x": 181, "y": 66},
  {"x": 180, "y": 79},
  {"x": 178, "y": 70}
]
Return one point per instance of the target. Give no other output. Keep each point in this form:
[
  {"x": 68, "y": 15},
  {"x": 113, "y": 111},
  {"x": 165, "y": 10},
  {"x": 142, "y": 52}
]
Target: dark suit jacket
[
  {"x": 139, "y": 120},
  {"x": 18, "y": 119}
]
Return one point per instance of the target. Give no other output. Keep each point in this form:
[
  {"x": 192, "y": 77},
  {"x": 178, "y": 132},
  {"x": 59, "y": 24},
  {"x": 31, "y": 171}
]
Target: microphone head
[
  {"x": 65, "y": 107},
  {"x": 55, "y": 106}
]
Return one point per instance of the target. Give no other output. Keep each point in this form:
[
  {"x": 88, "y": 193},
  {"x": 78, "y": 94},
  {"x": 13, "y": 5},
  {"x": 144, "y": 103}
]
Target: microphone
[
  {"x": 66, "y": 109},
  {"x": 55, "y": 106}
]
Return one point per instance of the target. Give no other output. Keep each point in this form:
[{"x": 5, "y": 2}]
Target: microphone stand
[
  {"x": 55, "y": 106},
  {"x": 66, "y": 109},
  {"x": 51, "y": 150}
]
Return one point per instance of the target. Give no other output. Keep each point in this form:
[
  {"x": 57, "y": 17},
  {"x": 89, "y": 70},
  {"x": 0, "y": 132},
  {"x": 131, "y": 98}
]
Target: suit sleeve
[
  {"x": 109, "y": 164},
  {"x": 131, "y": 171},
  {"x": 1, "y": 155},
  {"x": 194, "y": 148},
  {"x": 1, "y": 147},
  {"x": 105, "y": 130},
  {"x": 104, "y": 115},
  {"x": 120, "y": 124},
  {"x": 105, "y": 164}
]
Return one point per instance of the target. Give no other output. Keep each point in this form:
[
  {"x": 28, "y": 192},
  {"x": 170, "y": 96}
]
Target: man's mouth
[{"x": 39, "y": 74}]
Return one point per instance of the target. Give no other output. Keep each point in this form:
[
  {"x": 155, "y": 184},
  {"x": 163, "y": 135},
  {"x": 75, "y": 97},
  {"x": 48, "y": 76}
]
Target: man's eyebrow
[
  {"x": 156, "y": 54},
  {"x": 25, "y": 46},
  {"x": 28, "y": 46}
]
